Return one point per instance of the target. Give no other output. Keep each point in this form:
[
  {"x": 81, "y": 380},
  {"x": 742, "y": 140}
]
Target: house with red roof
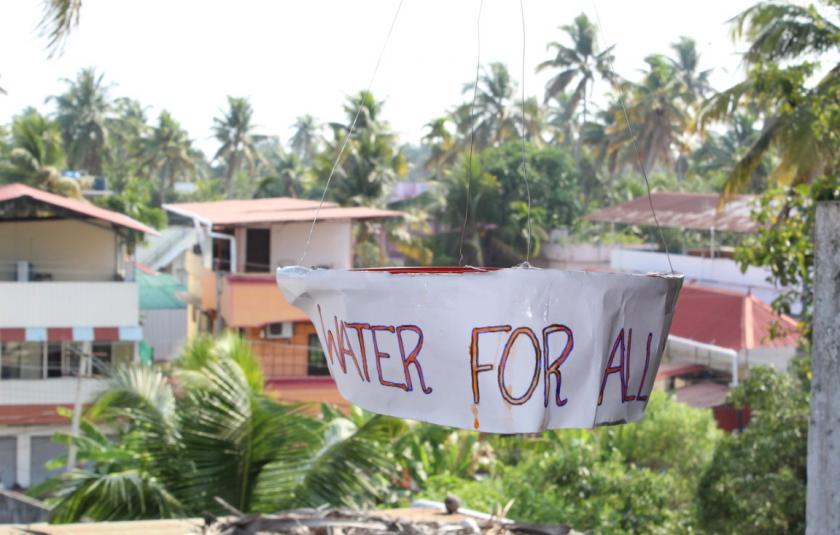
[
  {"x": 716, "y": 337},
  {"x": 238, "y": 245},
  {"x": 68, "y": 309}
]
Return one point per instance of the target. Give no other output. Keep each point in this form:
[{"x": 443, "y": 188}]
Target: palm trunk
[{"x": 231, "y": 170}]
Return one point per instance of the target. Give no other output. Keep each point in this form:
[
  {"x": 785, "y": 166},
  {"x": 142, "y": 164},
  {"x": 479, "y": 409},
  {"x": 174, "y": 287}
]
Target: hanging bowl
[{"x": 516, "y": 350}]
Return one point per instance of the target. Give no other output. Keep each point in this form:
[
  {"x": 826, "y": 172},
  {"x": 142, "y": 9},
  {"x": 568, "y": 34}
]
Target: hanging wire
[
  {"x": 524, "y": 162},
  {"x": 635, "y": 146},
  {"x": 349, "y": 134},
  {"x": 472, "y": 132}
]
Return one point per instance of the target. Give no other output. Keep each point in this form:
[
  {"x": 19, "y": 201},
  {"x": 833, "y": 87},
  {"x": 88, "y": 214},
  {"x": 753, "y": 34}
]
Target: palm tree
[
  {"x": 235, "y": 132},
  {"x": 167, "y": 153},
  {"x": 579, "y": 65},
  {"x": 210, "y": 431},
  {"x": 492, "y": 120},
  {"x": 59, "y": 19},
  {"x": 442, "y": 147},
  {"x": 800, "y": 123},
  {"x": 695, "y": 83},
  {"x": 36, "y": 155},
  {"x": 371, "y": 160},
  {"x": 285, "y": 174},
  {"x": 306, "y": 139},
  {"x": 83, "y": 112},
  {"x": 658, "y": 117}
]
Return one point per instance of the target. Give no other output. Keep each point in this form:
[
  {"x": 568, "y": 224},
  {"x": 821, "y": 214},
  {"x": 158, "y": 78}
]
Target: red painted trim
[
  {"x": 106, "y": 334},
  {"x": 60, "y": 334},
  {"x": 251, "y": 279},
  {"x": 431, "y": 270},
  {"x": 12, "y": 335}
]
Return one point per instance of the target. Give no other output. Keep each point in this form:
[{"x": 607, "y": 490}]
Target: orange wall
[{"x": 286, "y": 357}]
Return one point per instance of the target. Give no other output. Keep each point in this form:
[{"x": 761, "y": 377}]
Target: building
[
  {"x": 68, "y": 308},
  {"x": 238, "y": 244},
  {"x": 163, "y": 312},
  {"x": 716, "y": 337}
]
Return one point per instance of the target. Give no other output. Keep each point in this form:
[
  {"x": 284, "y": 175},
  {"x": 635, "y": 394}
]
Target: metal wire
[
  {"x": 349, "y": 134},
  {"x": 472, "y": 133},
  {"x": 635, "y": 147},
  {"x": 524, "y": 162}
]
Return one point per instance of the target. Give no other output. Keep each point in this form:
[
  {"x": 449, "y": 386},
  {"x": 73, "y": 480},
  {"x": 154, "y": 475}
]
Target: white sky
[{"x": 296, "y": 57}]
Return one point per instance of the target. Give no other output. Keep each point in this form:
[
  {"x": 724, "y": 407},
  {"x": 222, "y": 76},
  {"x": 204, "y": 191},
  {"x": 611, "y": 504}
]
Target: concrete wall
[
  {"x": 165, "y": 330},
  {"x": 68, "y": 304},
  {"x": 59, "y": 390},
  {"x": 68, "y": 250}
]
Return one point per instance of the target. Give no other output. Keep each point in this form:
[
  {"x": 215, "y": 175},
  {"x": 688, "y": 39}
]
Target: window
[
  {"x": 279, "y": 330},
  {"x": 258, "y": 250},
  {"x": 317, "y": 362},
  {"x": 102, "y": 353},
  {"x": 22, "y": 360},
  {"x": 55, "y": 357}
]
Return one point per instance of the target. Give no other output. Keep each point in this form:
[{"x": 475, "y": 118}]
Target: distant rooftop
[
  {"x": 730, "y": 319},
  {"x": 11, "y": 193},
  {"x": 699, "y": 211},
  {"x": 274, "y": 210}
]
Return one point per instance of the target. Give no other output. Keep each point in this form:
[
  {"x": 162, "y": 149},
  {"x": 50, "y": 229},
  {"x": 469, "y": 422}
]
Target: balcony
[{"x": 68, "y": 304}]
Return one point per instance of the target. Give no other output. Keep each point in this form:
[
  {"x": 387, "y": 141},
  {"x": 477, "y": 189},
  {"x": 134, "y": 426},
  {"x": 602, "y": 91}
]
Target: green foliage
[
  {"x": 207, "y": 430},
  {"x": 637, "y": 478},
  {"x": 756, "y": 480},
  {"x": 83, "y": 113},
  {"x": 784, "y": 242},
  {"x": 135, "y": 201},
  {"x": 497, "y": 228},
  {"x": 234, "y": 130}
]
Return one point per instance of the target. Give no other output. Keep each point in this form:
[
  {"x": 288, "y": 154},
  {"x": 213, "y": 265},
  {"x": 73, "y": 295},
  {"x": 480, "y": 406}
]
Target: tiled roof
[
  {"x": 274, "y": 210},
  {"x": 15, "y": 191},
  {"x": 729, "y": 319},
  {"x": 700, "y": 211}
]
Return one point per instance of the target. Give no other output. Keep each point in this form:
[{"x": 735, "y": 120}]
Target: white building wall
[
  {"x": 331, "y": 245},
  {"x": 58, "y": 390},
  {"x": 68, "y": 304},
  {"x": 165, "y": 330},
  {"x": 69, "y": 250},
  {"x": 720, "y": 273}
]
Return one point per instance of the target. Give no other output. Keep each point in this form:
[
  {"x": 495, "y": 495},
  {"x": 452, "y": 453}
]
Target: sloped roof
[
  {"x": 11, "y": 192},
  {"x": 274, "y": 210},
  {"x": 682, "y": 210},
  {"x": 730, "y": 319},
  {"x": 159, "y": 291}
]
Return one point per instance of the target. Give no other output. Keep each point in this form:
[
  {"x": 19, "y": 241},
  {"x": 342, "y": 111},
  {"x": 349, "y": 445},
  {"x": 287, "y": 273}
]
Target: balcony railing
[{"x": 280, "y": 360}]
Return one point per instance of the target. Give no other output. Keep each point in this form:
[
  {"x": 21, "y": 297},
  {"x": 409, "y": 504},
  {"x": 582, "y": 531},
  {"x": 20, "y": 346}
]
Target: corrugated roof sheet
[
  {"x": 11, "y": 192},
  {"x": 730, "y": 319},
  {"x": 274, "y": 210},
  {"x": 159, "y": 291},
  {"x": 682, "y": 210}
]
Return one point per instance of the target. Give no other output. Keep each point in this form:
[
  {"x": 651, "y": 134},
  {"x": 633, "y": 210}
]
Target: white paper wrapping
[{"x": 507, "y": 351}]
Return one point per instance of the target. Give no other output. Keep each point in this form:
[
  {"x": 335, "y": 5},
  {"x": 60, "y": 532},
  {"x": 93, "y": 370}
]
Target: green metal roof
[{"x": 159, "y": 291}]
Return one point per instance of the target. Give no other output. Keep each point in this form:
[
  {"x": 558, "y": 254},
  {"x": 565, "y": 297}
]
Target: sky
[{"x": 294, "y": 57}]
